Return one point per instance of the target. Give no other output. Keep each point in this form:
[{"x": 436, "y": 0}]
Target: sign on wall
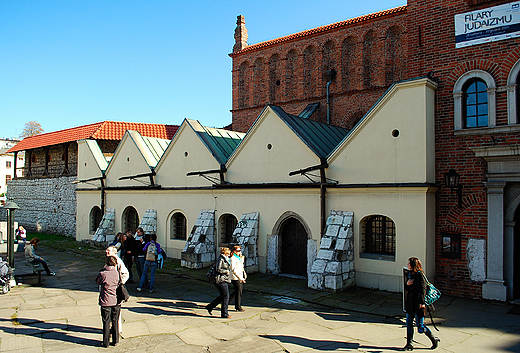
[{"x": 487, "y": 25}]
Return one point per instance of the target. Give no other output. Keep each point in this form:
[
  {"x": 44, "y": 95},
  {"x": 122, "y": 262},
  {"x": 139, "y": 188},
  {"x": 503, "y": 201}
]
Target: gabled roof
[
  {"x": 320, "y": 29},
  {"x": 98, "y": 156},
  {"x": 151, "y": 148},
  {"x": 105, "y": 130},
  {"x": 221, "y": 143},
  {"x": 321, "y": 138}
]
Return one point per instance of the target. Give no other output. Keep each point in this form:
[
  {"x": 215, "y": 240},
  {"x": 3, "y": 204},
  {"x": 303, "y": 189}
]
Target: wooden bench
[{"x": 38, "y": 269}]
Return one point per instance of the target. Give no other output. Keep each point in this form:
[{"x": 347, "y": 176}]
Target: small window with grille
[
  {"x": 178, "y": 226},
  {"x": 378, "y": 236}
]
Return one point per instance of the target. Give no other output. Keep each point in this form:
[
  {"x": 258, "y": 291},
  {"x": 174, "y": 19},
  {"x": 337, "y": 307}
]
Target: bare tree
[{"x": 31, "y": 128}]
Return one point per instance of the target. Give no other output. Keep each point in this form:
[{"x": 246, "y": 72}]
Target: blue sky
[{"x": 71, "y": 63}]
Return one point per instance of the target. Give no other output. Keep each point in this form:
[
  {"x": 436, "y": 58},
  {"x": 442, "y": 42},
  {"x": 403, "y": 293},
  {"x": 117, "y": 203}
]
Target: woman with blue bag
[{"x": 416, "y": 287}]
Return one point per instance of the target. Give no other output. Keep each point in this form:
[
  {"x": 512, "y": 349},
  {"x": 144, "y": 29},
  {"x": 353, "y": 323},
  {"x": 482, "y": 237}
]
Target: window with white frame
[
  {"x": 474, "y": 96},
  {"x": 513, "y": 94}
]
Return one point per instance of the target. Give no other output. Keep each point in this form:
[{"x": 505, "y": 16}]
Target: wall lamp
[{"x": 451, "y": 180}]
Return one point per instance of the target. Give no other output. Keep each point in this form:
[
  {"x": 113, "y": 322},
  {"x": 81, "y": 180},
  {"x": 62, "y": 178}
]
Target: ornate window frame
[
  {"x": 458, "y": 94},
  {"x": 512, "y": 88}
]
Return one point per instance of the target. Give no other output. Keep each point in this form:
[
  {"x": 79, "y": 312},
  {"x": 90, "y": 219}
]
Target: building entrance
[
  {"x": 294, "y": 248},
  {"x": 516, "y": 256}
]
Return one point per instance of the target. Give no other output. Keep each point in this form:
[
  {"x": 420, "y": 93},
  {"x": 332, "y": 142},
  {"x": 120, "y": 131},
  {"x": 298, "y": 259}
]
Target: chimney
[{"x": 240, "y": 34}]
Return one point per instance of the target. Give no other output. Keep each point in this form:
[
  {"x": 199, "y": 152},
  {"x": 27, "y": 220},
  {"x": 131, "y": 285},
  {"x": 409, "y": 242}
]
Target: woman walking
[
  {"x": 222, "y": 284},
  {"x": 108, "y": 279},
  {"x": 415, "y": 289},
  {"x": 238, "y": 276}
]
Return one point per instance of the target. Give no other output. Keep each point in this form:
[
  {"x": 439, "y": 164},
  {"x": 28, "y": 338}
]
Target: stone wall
[
  {"x": 47, "y": 205},
  {"x": 199, "y": 250}
]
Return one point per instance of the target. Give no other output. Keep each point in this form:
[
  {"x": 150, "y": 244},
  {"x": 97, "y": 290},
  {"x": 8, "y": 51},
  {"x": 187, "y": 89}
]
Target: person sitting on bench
[{"x": 34, "y": 259}]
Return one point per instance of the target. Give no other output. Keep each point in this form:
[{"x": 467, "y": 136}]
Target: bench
[{"x": 37, "y": 268}]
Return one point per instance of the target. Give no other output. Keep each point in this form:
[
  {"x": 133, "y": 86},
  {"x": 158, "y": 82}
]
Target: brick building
[{"x": 347, "y": 66}]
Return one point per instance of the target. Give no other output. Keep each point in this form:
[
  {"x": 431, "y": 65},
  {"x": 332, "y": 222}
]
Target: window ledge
[
  {"x": 487, "y": 130},
  {"x": 377, "y": 257}
]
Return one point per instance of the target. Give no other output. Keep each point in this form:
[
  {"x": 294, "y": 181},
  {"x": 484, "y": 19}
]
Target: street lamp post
[{"x": 10, "y": 206}]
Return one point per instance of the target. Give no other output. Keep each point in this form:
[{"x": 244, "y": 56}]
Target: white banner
[{"x": 487, "y": 25}]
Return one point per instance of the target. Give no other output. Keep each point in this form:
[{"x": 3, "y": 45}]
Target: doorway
[
  {"x": 294, "y": 248},
  {"x": 516, "y": 255}
]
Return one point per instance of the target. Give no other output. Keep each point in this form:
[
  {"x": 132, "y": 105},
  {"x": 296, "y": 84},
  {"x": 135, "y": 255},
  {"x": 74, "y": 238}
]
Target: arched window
[
  {"x": 258, "y": 82},
  {"x": 393, "y": 55},
  {"x": 130, "y": 219},
  {"x": 243, "y": 87},
  {"x": 95, "y": 219},
  {"x": 474, "y": 96},
  {"x": 178, "y": 226},
  {"x": 309, "y": 71},
  {"x": 475, "y": 104},
  {"x": 328, "y": 62},
  {"x": 348, "y": 55},
  {"x": 369, "y": 51},
  {"x": 513, "y": 94},
  {"x": 274, "y": 80},
  {"x": 227, "y": 225},
  {"x": 378, "y": 236},
  {"x": 290, "y": 79}
]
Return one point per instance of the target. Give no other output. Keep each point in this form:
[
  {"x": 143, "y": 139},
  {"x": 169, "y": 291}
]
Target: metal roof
[
  {"x": 321, "y": 138},
  {"x": 221, "y": 143}
]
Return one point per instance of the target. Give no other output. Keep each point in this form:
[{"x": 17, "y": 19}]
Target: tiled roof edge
[{"x": 319, "y": 30}]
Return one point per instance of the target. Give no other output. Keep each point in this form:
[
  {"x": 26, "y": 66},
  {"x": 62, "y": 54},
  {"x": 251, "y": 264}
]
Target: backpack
[
  {"x": 212, "y": 273},
  {"x": 151, "y": 252}
]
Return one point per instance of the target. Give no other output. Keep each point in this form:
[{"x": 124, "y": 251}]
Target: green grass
[{"x": 64, "y": 243}]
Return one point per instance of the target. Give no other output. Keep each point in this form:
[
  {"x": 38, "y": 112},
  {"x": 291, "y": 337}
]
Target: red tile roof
[
  {"x": 105, "y": 130},
  {"x": 319, "y": 30}
]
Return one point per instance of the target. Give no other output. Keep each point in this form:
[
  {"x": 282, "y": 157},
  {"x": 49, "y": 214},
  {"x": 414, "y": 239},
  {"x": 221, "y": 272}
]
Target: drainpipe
[
  {"x": 323, "y": 197},
  {"x": 331, "y": 74}
]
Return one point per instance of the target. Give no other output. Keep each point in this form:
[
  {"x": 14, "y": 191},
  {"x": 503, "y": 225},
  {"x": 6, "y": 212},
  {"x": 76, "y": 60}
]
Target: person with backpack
[
  {"x": 151, "y": 250},
  {"x": 415, "y": 291},
  {"x": 221, "y": 280}
]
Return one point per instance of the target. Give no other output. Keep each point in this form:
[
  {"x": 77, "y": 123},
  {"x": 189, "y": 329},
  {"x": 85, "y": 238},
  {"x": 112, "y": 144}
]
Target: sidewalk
[{"x": 282, "y": 315}]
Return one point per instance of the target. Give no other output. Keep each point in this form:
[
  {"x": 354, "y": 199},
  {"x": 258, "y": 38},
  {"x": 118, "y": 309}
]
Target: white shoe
[{"x": 138, "y": 289}]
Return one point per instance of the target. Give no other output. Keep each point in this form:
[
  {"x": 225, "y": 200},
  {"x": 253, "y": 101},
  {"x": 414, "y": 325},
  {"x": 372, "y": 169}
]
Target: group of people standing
[{"x": 229, "y": 269}]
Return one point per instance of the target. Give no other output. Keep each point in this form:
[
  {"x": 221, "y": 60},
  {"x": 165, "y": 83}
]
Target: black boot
[
  {"x": 409, "y": 345},
  {"x": 435, "y": 340}
]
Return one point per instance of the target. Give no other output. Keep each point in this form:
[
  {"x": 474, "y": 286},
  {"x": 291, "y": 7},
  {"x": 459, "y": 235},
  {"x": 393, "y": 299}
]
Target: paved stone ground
[{"x": 282, "y": 315}]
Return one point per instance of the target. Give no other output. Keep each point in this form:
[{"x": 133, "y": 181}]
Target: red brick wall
[
  {"x": 431, "y": 41},
  {"x": 256, "y": 72}
]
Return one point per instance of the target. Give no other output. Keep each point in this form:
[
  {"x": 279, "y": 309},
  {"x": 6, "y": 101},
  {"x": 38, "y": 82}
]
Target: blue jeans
[
  {"x": 148, "y": 265},
  {"x": 419, "y": 321},
  {"x": 222, "y": 299}
]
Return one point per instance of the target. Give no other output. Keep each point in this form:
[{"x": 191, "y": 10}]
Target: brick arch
[
  {"x": 310, "y": 70},
  {"x": 348, "y": 63},
  {"x": 328, "y": 61},
  {"x": 507, "y": 64},
  {"x": 274, "y": 78},
  {"x": 243, "y": 83},
  {"x": 453, "y": 216},
  {"x": 291, "y": 70},
  {"x": 369, "y": 58},
  {"x": 259, "y": 90},
  {"x": 393, "y": 54},
  {"x": 485, "y": 65}
]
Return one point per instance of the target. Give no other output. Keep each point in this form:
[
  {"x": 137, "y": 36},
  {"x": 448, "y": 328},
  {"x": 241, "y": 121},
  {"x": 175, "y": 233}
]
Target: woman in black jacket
[
  {"x": 415, "y": 289},
  {"x": 222, "y": 282}
]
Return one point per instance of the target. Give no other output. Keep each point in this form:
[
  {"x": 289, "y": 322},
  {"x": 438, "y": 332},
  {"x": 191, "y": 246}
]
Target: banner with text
[{"x": 487, "y": 25}]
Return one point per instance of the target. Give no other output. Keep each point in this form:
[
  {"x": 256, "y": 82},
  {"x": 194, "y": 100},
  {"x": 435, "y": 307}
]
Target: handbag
[
  {"x": 121, "y": 291},
  {"x": 432, "y": 293}
]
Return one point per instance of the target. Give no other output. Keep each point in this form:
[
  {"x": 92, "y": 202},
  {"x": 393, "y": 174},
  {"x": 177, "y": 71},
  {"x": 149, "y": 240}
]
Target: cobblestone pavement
[{"x": 282, "y": 315}]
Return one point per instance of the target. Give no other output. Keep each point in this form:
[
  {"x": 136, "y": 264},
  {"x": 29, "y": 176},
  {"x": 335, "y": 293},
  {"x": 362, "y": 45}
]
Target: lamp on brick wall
[{"x": 451, "y": 180}]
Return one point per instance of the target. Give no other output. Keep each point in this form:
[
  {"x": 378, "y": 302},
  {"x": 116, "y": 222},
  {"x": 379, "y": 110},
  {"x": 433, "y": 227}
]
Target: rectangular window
[
  {"x": 8, "y": 164},
  {"x": 7, "y": 178},
  {"x": 450, "y": 245}
]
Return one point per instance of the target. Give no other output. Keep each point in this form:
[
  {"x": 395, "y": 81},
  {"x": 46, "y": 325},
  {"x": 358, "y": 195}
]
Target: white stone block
[
  {"x": 340, "y": 244},
  {"x": 325, "y": 254},
  {"x": 346, "y": 266},
  {"x": 476, "y": 252},
  {"x": 315, "y": 281},
  {"x": 333, "y": 267},
  {"x": 332, "y": 230},
  {"x": 333, "y": 282},
  {"x": 246, "y": 232},
  {"x": 318, "y": 266},
  {"x": 325, "y": 243}
]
